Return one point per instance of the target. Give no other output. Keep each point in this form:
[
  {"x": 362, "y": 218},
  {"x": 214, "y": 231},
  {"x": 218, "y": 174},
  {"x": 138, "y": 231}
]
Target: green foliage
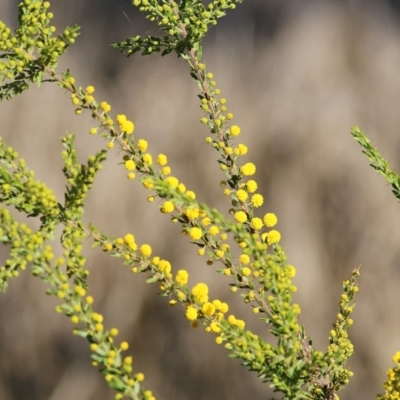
[
  {"x": 261, "y": 274},
  {"x": 32, "y": 48},
  {"x": 378, "y": 162}
]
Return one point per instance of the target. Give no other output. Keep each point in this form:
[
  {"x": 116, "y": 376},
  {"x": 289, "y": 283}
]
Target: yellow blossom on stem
[
  {"x": 240, "y": 150},
  {"x": 270, "y": 220},
  {"x": 166, "y": 170},
  {"x": 195, "y": 233},
  {"x": 241, "y": 216},
  {"x": 142, "y": 145},
  {"x": 167, "y": 207},
  {"x": 130, "y": 241},
  {"x": 234, "y": 130},
  {"x": 162, "y": 159},
  {"x": 192, "y": 213},
  {"x": 174, "y": 182},
  {"x": 214, "y": 230},
  {"x": 244, "y": 259},
  {"x": 191, "y": 313},
  {"x": 140, "y": 377},
  {"x": 271, "y": 237},
  {"x": 224, "y": 308},
  {"x": 257, "y": 200},
  {"x": 105, "y": 106},
  {"x": 146, "y": 250},
  {"x": 148, "y": 159},
  {"x": 130, "y": 165},
  {"x": 241, "y": 195},
  {"x": 208, "y": 309},
  {"x": 396, "y": 358},
  {"x": 206, "y": 221},
  {"x": 190, "y": 195},
  {"x": 248, "y": 169},
  {"x": 125, "y": 125},
  {"x": 290, "y": 271},
  {"x": 90, "y": 90},
  {"x": 251, "y": 186},
  {"x": 215, "y": 327},
  {"x": 200, "y": 292},
  {"x": 256, "y": 224},
  {"x": 182, "y": 277},
  {"x": 164, "y": 266}
]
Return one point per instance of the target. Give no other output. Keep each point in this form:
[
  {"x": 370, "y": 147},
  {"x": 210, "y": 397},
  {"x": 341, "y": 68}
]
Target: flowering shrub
[{"x": 261, "y": 273}]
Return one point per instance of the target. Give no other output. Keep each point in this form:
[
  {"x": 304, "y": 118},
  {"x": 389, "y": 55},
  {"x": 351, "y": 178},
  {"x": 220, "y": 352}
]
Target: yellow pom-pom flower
[
  {"x": 130, "y": 241},
  {"x": 162, "y": 159},
  {"x": 208, "y": 309},
  {"x": 241, "y": 216},
  {"x": 244, "y": 259},
  {"x": 240, "y": 324},
  {"x": 142, "y": 145},
  {"x": 290, "y": 271},
  {"x": 200, "y": 293},
  {"x": 251, "y": 186},
  {"x": 105, "y": 106},
  {"x": 270, "y": 220},
  {"x": 146, "y": 250},
  {"x": 224, "y": 308},
  {"x": 195, "y": 233},
  {"x": 190, "y": 195},
  {"x": 256, "y": 224},
  {"x": 90, "y": 90},
  {"x": 257, "y": 200},
  {"x": 241, "y": 195},
  {"x": 182, "y": 277},
  {"x": 174, "y": 182},
  {"x": 272, "y": 237},
  {"x": 215, "y": 327},
  {"x": 191, "y": 313},
  {"x": 214, "y": 230},
  {"x": 166, "y": 170},
  {"x": 168, "y": 207},
  {"x": 240, "y": 150},
  {"x": 130, "y": 165},
  {"x": 192, "y": 213},
  {"x": 248, "y": 169},
  {"x": 396, "y": 358},
  {"x": 234, "y": 130},
  {"x": 148, "y": 159},
  {"x": 164, "y": 266}
]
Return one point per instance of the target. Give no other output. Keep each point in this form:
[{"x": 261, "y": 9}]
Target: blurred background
[{"x": 297, "y": 74}]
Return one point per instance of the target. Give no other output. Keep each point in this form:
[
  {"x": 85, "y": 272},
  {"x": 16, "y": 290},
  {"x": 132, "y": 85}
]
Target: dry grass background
[{"x": 297, "y": 75}]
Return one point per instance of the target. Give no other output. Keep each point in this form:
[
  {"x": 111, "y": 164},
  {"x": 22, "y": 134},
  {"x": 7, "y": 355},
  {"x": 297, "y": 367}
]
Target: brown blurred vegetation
[{"x": 297, "y": 75}]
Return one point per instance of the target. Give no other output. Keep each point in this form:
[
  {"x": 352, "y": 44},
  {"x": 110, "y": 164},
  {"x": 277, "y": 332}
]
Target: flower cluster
[
  {"x": 260, "y": 272},
  {"x": 392, "y": 384},
  {"x": 31, "y": 48},
  {"x": 21, "y": 189}
]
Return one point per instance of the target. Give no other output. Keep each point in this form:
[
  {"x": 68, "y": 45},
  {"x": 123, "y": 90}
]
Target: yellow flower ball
[{"x": 241, "y": 216}]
